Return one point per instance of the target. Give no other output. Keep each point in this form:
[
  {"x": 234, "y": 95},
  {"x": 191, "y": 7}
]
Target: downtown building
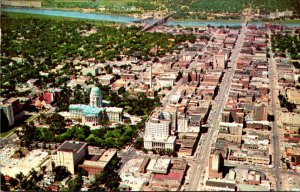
[
  {"x": 69, "y": 154},
  {"x": 12, "y": 109},
  {"x": 157, "y": 132}
]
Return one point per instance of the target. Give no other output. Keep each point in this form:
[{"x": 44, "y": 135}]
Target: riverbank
[
  {"x": 117, "y": 19},
  {"x": 72, "y": 14},
  {"x": 58, "y": 18}
]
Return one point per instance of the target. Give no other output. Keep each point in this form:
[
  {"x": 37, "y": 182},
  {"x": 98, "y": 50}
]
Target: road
[
  {"x": 274, "y": 97},
  {"x": 9, "y": 139},
  {"x": 203, "y": 149}
]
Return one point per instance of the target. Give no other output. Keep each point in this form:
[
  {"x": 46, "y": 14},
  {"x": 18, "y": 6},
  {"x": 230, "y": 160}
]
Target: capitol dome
[{"x": 95, "y": 91}]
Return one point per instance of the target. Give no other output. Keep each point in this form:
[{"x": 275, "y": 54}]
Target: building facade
[
  {"x": 12, "y": 109},
  {"x": 157, "y": 133},
  {"x": 69, "y": 154},
  {"x": 93, "y": 113}
]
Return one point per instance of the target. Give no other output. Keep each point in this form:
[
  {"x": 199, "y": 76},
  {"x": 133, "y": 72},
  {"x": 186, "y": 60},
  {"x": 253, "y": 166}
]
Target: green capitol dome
[{"x": 95, "y": 91}]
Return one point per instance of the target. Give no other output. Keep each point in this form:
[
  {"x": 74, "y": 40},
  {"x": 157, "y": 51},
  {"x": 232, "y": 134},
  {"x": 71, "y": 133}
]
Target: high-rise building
[
  {"x": 4, "y": 126},
  {"x": 69, "y": 154},
  {"x": 260, "y": 113},
  {"x": 8, "y": 110},
  {"x": 215, "y": 165},
  {"x": 219, "y": 61},
  {"x": 12, "y": 109},
  {"x": 157, "y": 132}
]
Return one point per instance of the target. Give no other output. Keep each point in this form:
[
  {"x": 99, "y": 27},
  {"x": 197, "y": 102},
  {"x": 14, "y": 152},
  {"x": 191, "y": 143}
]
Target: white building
[
  {"x": 93, "y": 113},
  {"x": 157, "y": 133},
  {"x": 157, "y": 127},
  {"x": 106, "y": 79},
  {"x": 91, "y": 70},
  {"x": 167, "y": 79},
  {"x": 8, "y": 110},
  {"x": 114, "y": 114}
]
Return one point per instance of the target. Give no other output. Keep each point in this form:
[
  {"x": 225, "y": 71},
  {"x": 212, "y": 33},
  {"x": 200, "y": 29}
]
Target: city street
[
  {"x": 276, "y": 136},
  {"x": 9, "y": 140},
  {"x": 203, "y": 150}
]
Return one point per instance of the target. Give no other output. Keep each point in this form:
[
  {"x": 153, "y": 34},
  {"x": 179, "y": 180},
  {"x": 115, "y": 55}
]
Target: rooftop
[
  {"x": 72, "y": 146},
  {"x": 86, "y": 110},
  {"x": 170, "y": 176},
  {"x": 247, "y": 187}
]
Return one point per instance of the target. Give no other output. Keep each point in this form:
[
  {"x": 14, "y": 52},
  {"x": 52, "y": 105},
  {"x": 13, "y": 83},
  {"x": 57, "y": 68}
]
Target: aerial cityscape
[{"x": 150, "y": 95}]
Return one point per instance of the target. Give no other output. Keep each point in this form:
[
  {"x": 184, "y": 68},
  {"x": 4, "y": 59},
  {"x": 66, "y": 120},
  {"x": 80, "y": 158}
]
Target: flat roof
[
  {"x": 72, "y": 146},
  {"x": 247, "y": 187},
  {"x": 107, "y": 155}
]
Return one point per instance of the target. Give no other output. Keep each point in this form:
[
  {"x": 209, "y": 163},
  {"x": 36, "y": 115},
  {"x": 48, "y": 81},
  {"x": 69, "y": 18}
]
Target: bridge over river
[{"x": 156, "y": 23}]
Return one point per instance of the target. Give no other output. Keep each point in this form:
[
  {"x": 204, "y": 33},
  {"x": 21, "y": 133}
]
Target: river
[{"x": 127, "y": 19}]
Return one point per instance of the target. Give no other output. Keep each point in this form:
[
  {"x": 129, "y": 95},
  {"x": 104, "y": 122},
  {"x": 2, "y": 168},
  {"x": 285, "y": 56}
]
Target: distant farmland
[{"x": 139, "y": 6}]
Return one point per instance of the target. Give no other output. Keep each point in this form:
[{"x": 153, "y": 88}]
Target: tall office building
[
  {"x": 219, "y": 61},
  {"x": 260, "y": 113},
  {"x": 69, "y": 154},
  {"x": 157, "y": 132},
  {"x": 12, "y": 109},
  {"x": 215, "y": 164}
]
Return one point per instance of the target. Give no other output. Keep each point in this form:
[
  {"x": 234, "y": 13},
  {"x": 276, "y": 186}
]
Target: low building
[
  {"x": 99, "y": 163},
  {"x": 144, "y": 164},
  {"x": 187, "y": 146},
  {"x": 165, "y": 182},
  {"x": 247, "y": 187},
  {"x": 221, "y": 184},
  {"x": 159, "y": 143},
  {"x": 161, "y": 166},
  {"x": 290, "y": 119},
  {"x": 114, "y": 114},
  {"x": 106, "y": 79},
  {"x": 179, "y": 166},
  {"x": 91, "y": 70}
]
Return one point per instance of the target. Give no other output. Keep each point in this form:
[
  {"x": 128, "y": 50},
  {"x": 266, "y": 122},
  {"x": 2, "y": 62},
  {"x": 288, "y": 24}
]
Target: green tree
[
  {"x": 139, "y": 143},
  {"x": 76, "y": 183},
  {"x": 60, "y": 173},
  {"x": 27, "y": 134},
  {"x": 57, "y": 123},
  {"x": 121, "y": 91}
]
